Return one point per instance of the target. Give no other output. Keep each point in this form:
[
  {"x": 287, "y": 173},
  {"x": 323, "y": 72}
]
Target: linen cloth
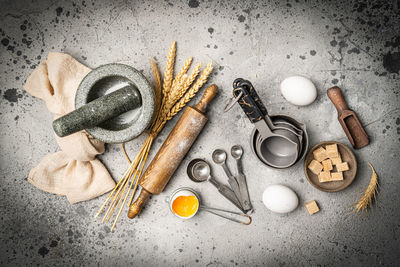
[{"x": 74, "y": 171}]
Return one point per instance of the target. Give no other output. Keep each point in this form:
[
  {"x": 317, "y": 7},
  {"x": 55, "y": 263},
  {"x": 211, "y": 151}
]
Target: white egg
[
  {"x": 280, "y": 199},
  {"x": 298, "y": 90}
]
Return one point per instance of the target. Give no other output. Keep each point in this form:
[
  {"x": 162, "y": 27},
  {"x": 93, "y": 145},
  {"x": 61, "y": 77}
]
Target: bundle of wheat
[{"x": 171, "y": 96}]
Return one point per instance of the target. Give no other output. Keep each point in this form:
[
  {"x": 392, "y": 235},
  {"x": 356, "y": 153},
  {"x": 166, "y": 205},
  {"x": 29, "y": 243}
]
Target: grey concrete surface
[{"x": 352, "y": 44}]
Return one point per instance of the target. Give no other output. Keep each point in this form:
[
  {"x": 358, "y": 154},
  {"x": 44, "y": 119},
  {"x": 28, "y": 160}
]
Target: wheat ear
[
  {"x": 183, "y": 71},
  {"x": 369, "y": 194},
  {"x": 157, "y": 89},
  {"x": 169, "y": 69},
  {"x": 174, "y": 96}
]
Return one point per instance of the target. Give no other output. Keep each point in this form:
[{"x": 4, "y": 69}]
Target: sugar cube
[
  {"x": 312, "y": 207},
  {"x": 320, "y": 154},
  {"x": 336, "y": 176},
  {"x": 315, "y": 166},
  {"x": 336, "y": 161},
  {"x": 332, "y": 151},
  {"x": 324, "y": 177},
  {"x": 327, "y": 164},
  {"x": 342, "y": 167}
]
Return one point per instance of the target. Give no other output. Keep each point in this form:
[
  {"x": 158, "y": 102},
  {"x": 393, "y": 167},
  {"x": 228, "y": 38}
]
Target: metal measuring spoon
[
  {"x": 237, "y": 152},
  {"x": 219, "y": 157},
  {"x": 199, "y": 170}
]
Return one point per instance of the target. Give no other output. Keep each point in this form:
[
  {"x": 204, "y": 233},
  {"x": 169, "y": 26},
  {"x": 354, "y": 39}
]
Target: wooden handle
[
  {"x": 208, "y": 96},
  {"x": 136, "y": 207},
  {"x": 335, "y": 95}
]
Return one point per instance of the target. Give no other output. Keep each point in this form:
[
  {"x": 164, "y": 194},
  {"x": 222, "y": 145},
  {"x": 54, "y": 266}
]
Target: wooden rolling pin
[{"x": 172, "y": 152}]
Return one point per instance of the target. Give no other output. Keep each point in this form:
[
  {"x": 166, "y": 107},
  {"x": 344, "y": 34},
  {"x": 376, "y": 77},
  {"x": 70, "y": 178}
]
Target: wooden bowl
[{"x": 348, "y": 176}]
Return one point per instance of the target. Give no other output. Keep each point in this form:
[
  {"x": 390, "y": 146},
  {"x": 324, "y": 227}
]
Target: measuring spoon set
[{"x": 199, "y": 170}]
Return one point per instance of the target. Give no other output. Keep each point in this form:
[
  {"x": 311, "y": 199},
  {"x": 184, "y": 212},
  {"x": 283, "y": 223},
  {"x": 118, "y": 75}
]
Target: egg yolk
[{"x": 185, "y": 206}]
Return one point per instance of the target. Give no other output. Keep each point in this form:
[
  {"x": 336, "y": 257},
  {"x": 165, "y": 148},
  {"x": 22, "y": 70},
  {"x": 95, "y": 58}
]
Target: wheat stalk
[
  {"x": 369, "y": 194},
  {"x": 136, "y": 177},
  {"x": 119, "y": 190}
]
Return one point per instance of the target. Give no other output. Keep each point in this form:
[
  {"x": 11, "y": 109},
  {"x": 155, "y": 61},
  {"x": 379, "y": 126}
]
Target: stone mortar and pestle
[{"x": 114, "y": 104}]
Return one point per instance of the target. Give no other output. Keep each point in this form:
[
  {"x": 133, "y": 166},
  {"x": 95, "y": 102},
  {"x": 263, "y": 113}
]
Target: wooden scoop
[{"x": 348, "y": 119}]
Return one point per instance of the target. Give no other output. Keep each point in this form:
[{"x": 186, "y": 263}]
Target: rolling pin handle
[
  {"x": 335, "y": 95},
  {"x": 209, "y": 94},
  {"x": 137, "y": 206}
]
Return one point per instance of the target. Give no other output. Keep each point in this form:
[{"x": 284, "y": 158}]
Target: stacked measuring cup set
[{"x": 279, "y": 141}]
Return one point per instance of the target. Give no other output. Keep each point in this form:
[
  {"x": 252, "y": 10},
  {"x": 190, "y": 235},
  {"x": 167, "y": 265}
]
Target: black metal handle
[
  {"x": 248, "y": 105},
  {"x": 239, "y": 82}
]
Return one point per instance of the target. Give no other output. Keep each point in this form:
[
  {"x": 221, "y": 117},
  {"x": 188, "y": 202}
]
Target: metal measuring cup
[{"x": 299, "y": 127}]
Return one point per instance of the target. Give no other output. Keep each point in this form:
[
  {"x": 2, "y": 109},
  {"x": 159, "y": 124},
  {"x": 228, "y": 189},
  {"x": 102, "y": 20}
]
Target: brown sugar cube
[
  {"x": 312, "y": 207},
  {"x": 342, "y": 167},
  {"x": 332, "y": 151},
  {"x": 327, "y": 164},
  {"x": 336, "y": 176},
  {"x": 324, "y": 177},
  {"x": 315, "y": 166},
  {"x": 336, "y": 161},
  {"x": 320, "y": 154}
]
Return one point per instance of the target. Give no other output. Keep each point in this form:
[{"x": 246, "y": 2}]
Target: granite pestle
[{"x": 98, "y": 111}]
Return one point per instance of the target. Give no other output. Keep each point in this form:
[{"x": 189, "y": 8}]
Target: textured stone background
[{"x": 347, "y": 43}]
